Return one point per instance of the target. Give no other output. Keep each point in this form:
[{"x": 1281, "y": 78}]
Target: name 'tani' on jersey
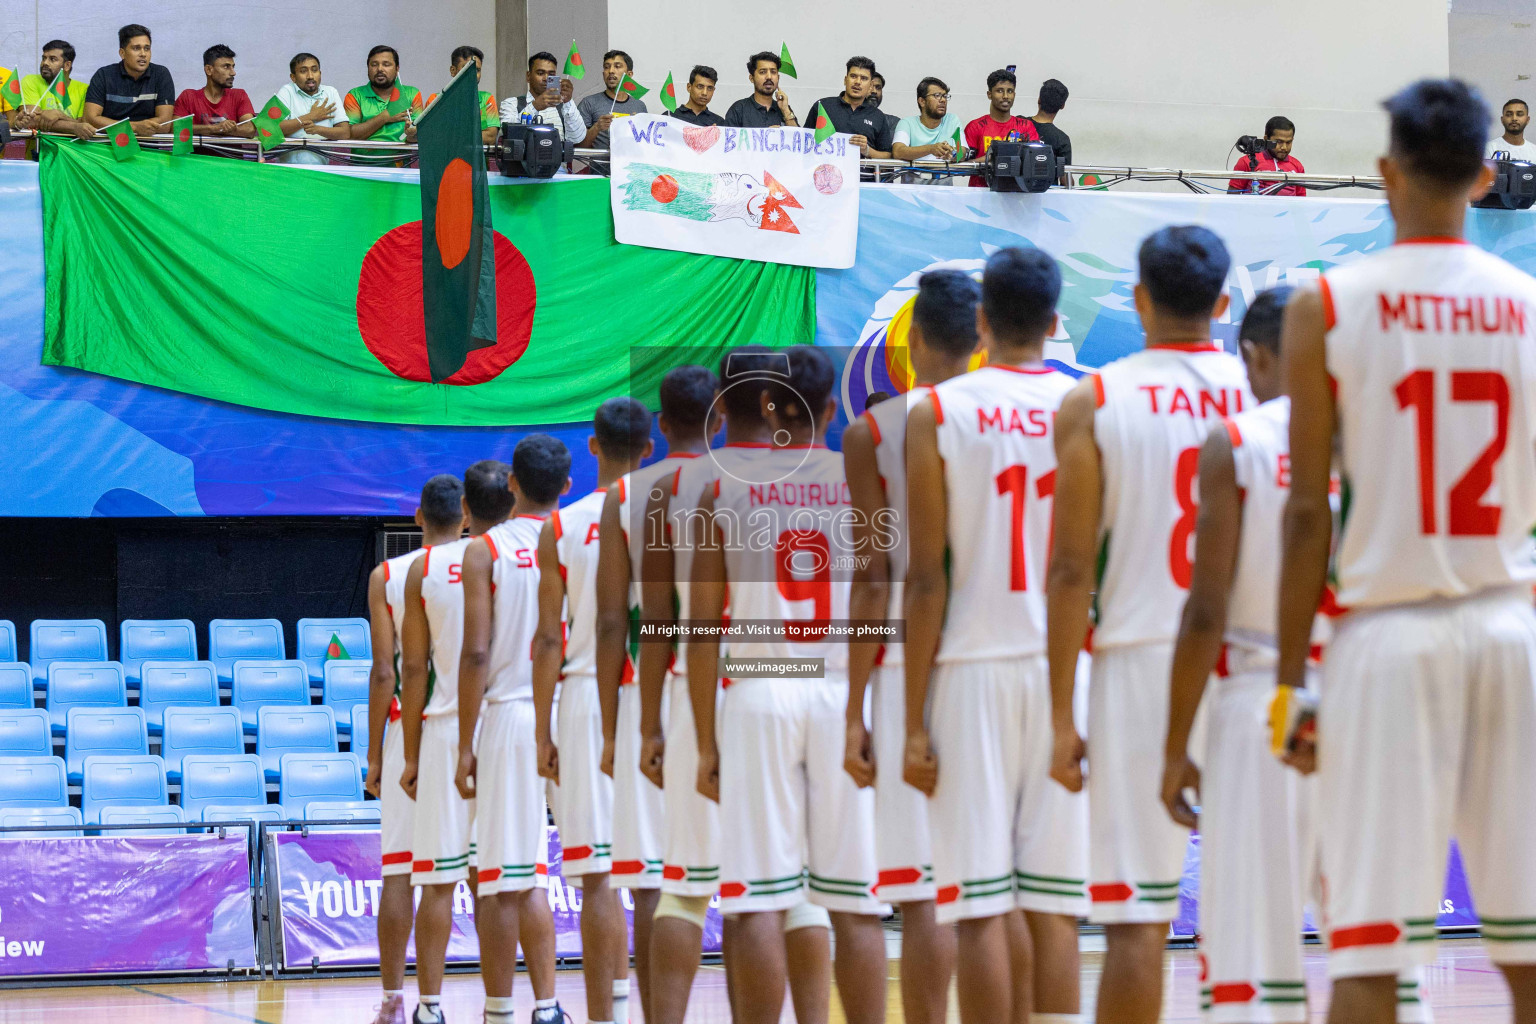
[
  {"x": 514, "y": 546},
  {"x": 442, "y": 597},
  {"x": 577, "y": 546},
  {"x": 995, "y": 430},
  {"x": 1432, "y": 349},
  {"x": 1155, "y": 409}
]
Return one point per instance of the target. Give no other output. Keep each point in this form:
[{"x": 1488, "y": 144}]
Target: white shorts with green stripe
[
  {"x": 691, "y": 821},
  {"x": 442, "y": 848},
  {"x": 583, "y": 801},
  {"x": 637, "y": 802},
  {"x": 510, "y": 840},
  {"x": 1005, "y": 835},
  {"x": 790, "y": 818}
]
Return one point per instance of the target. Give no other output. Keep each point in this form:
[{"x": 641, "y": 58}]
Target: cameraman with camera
[{"x": 1271, "y": 154}]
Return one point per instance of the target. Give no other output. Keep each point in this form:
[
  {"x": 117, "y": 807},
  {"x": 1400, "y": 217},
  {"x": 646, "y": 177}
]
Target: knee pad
[
  {"x": 685, "y": 908},
  {"x": 806, "y": 915}
]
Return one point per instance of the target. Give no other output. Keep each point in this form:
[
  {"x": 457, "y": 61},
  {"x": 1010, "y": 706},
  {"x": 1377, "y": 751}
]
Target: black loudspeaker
[
  {"x": 1514, "y": 185},
  {"x": 529, "y": 150},
  {"x": 1020, "y": 167}
]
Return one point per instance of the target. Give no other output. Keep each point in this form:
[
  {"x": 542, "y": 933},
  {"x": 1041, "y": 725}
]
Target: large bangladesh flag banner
[{"x": 300, "y": 291}]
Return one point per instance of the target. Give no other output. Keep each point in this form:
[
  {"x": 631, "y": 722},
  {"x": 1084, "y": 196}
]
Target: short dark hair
[
  {"x": 128, "y": 33},
  {"x": 1053, "y": 96},
  {"x": 811, "y": 377},
  {"x": 765, "y": 55},
  {"x": 1439, "y": 130},
  {"x": 1001, "y": 75},
  {"x": 703, "y": 71},
  {"x": 381, "y": 48},
  {"x": 1184, "y": 269},
  {"x": 300, "y": 58},
  {"x": 629, "y": 61},
  {"x": 746, "y": 363},
  {"x": 542, "y": 55},
  {"x": 440, "y": 500},
  {"x": 1261, "y": 325},
  {"x": 1278, "y": 123},
  {"x": 622, "y": 426},
  {"x": 1019, "y": 291},
  {"x": 687, "y": 394},
  {"x": 463, "y": 53},
  {"x": 861, "y": 62},
  {"x": 945, "y": 310},
  {"x": 62, "y": 46},
  {"x": 878, "y": 77},
  {"x": 1524, "y": 104},
  {"x": 218, "y": 51},
  {"x": 485, "y": 490},
  {"x": 922, "y": 87},
  {"x": 542, "y": 466}
]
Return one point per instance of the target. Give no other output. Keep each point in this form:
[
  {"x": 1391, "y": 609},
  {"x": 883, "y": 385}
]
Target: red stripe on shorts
[
  {"x": 490, "y": 874},
  {"x": 578, "y": 853},
  {"x": 1110, "y": 892},
  {"x": 1233, "y": 992},
  {"x": 404, "y": 857},
  {"x": 629, "y": 867},
  {"x": 674, "y": 872},
  {"x": 948, "y": 894},
  {"x": 898, "y": 876},
  {"x": 730, "y": 890},
  {"x": 1377, "y": 933},
  {"x": 421, "y": 865}
]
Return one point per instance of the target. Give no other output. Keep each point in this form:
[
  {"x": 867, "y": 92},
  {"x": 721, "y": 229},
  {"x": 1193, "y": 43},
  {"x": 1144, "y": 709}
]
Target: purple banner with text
[
  {"x": 330, "y": 885},
  {"x": 125, "y": 904}
]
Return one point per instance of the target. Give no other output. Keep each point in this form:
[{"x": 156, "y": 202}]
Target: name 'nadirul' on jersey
[{"x": 514, "y": 546}]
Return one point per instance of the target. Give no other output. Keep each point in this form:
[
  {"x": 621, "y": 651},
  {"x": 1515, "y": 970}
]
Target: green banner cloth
[{"x": 300, "y": 292}]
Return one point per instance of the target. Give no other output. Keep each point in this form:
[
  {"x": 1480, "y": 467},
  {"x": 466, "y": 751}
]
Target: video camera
[
  {"x": 1012, "y": 166},
  {"x": 1514, "y": 185},
  {"x": 1253, "y": 145},
  {"x": 531, "y": 150}
]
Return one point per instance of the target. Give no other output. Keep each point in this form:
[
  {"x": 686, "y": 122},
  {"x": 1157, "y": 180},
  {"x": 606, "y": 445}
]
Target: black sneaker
[
  {"x": 550, "y": 1015},
  {"x": 417, "y": 1018}
]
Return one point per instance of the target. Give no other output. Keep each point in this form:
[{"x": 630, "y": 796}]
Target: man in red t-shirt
[
  {"x": 1280, "y": 133},
  {"x": 218, "y": 108},
  {"x": 997, "y": 123}
]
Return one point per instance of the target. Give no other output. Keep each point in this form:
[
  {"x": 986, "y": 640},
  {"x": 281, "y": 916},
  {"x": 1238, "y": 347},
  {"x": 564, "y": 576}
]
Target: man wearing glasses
[{"x": 932, "y": 133}]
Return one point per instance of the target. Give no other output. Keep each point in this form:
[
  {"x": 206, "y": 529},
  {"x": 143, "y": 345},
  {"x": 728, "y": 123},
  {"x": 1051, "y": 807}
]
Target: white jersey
[
  {"x": 395, "y": 571},
  {"x": 788, "y": 553},
  {"x": 1261, "y": 462},
  {"x": 1155, "y": 409},
  {"x": 1432, "y": 349},
  {"x": 514, "y": 546},
  {"x": 995, "y": 433},
  {"x": 888, "y": 430},
  {"x": 576, "y": 546},
  {"x": 442, "y": 595},
  {"x": 635, "y": 491}
]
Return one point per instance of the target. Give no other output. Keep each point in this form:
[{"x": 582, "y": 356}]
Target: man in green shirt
[
  {"x": 490, "y": 116},
  {"x": 51, "y": 100},
  {"x": 383, "y": 110}
]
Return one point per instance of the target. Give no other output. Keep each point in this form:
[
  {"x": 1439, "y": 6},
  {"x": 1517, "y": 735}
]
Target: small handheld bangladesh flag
[
  {"x": 269, "y": 123},
  {"x": 56, "y": 96},
  {"x": 334, "y": 651},
  {"x": 181, "y": 136},
  {"x": 125, "y": 145},
  {"x": 631, "y": 88},
  {"x": 823, "y": 125},
  {"x": 959, "y": 142},
  {"x": 669, "y": 94},
  {"x": 10, "y": 91},
  {"x": 786, "y": 65},
  {"x": 573, "y": 65}
]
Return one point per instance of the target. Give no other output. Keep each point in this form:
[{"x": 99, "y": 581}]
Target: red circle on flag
[
  {"x": 391, "y": 319},
  {"x": 274, "y": 113},
  {"x": 121, "y": 140},
  {"x": 455, "y": 212},
  {"x": 664, "y": 188},
  {"x": 186, "y": 133}
]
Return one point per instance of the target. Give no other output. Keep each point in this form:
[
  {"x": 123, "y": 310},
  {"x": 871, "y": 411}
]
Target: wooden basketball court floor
[{"x": 1462, "y": 987}]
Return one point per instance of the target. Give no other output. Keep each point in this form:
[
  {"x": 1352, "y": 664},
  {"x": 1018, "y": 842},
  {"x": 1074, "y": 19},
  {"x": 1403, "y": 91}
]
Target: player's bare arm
[
  {"x": 381, "y": 678},
  {"x": 1218, "y": 529},
  {"x": 656, "y": 575},
  {"x": 706, "y": 603},
  {"x": 869, "y": 595},
  {"x": 474, "y": 657},
  {"x": 547, "y": 646},
  {"x": 1070, "y": 579},
  {"x": 1308, "y": 530},
  {"x": 415, "y": 646},
  {"x": 927, "y": 587},
  {"x": 612, "y": 619}
]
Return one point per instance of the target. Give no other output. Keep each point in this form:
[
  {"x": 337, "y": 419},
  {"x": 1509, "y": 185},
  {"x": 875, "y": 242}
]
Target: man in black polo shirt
[
  {"x": 855, "y": 112},
  {"x": 701, "y": 89},
  {"x": 877, "y": 97},
  {"x": 132, "y": 88},
  {"x": 767, "y": 107}
]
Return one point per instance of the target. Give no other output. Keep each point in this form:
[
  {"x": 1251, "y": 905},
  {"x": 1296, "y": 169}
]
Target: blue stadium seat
[
  {"x": 155, "y": 640},
  {"x": 363, "y": 814},
  {"x": 38, "y": 817},
  {"x": 101, "y": 731},
  {"x": 309, "y": 777},
  {"x": 7, "y": 640},
  {"x": 344, "y": 687},
  {"x": 24, "y": 732},
  {"x": 314, "y": 636},
  {"x": 15, "y": 685},
  {"x": 242, "y": 812},
  {"x": 259, "y": 684},
  {"x": 138, "y": 781},
  {"x": 199, "y": 731},
  {"x": 176, "y": 684},
  {"x": 83, "y": 684},
  {"x": 66, "y": 640},
  {"x": 360, "y": 732},
  {"x": 132, "y": 814},
  {"x": 33, "y": 782},
  {"x": 231, "y": 640},
  {"x": 220, "y": 779},
  {"x": 282, "y": 731}
]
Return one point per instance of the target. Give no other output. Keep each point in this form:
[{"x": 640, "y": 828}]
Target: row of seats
[
  {"x": 140, "y": 780},
  {"x": 164, "y": 684},
  {"x": 229, "y": 641},
  {"x": 23, "y": 818}
]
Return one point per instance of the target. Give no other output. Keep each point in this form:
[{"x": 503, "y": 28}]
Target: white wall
[
  {"x": 1493, "y": 45},
  {"x": 264, "y": 36},
  {"x": 1162, "y": 83}
]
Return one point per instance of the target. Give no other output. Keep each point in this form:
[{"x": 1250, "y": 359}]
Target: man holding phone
[{"x": 548, "y": 99}]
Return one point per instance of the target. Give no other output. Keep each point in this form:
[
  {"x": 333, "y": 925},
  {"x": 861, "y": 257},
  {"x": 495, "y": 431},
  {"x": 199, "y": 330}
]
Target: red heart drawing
[{"x": 701, "y": 139}]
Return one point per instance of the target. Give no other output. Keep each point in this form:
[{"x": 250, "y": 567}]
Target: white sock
[
  {"x": 393, "y": 993},
  {"x": 498, "y": 1010},
  {"x": 427, "y": 1012},
  {"x": 544, "y": 1004},
  {"x": 1055, "y": 1018},
  {"x": 621, "y": 1002}
]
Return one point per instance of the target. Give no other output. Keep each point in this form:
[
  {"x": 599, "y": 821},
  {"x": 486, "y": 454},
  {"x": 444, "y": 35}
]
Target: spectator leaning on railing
[
  {"x": 490, "y": 117},
  {"x": 998, "y": 122},
  {"x": 314, "y": 109},
  {"x": 218, "y": 108},
  {"x": 929, "y": 134},
  {"x": 383, "y": 108},
  {"x": 41, "y": 106},
  {"x": 1279, "y": 135},
  {"x": 767, "y": 107},
  {"x": 853, "y": 112},
  {"x": 701, "y": 89},
  {"x": 599, "y": 109},
  {"x": 133, "y": 88},
  {"x": 548, "y": 100}
]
